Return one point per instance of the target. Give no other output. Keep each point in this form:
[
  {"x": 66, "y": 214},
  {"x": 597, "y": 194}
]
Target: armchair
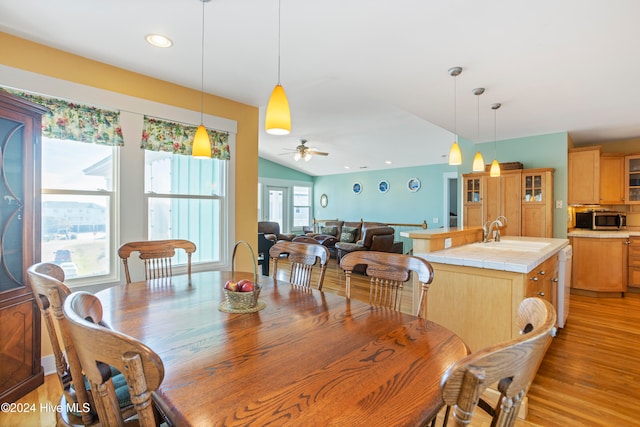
[
  {"x": 271, "y": 230},
  {"x": 374, "y": 239}
]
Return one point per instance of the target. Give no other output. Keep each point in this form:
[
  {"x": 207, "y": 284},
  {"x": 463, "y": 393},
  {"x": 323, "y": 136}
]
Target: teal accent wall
[
  {"x": 540, "y": 151},
  {"x": 398, "y": 205},
  {"x": 269, "y": 169}
]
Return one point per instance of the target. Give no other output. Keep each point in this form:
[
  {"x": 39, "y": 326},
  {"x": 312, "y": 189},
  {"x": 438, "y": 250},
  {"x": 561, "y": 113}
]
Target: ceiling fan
[{"x": 304, "y": 152}]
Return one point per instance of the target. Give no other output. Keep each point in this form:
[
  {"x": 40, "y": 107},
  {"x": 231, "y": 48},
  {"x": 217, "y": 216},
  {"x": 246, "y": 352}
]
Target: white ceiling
[{"x": 367, "y": 80}]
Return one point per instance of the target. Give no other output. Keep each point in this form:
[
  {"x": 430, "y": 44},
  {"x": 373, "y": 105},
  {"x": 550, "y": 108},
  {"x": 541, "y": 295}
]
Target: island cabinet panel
[
  {"x": 480, "y": 305},
  {"x": 599, "y": 264},
  {"x": 584, "y": 175},
  {"x": 612, "y": 189}
]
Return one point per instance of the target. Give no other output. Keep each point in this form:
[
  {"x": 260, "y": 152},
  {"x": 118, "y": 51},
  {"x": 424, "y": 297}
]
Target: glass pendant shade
[
  {"x": 478, "y": 163},
  {"x": 201, "y": 144},
  {"x": 278, "y": 117},
  {"x": 455, "y": 156},
  {"x": 307, "y": 157},
  {"x": 297, "y": 156},
  {"x": 495, "y": 168}
]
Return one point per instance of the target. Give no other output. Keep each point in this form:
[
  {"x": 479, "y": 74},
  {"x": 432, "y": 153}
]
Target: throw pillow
[
  {"x": 331, "y": 231},
  {"x": 349, "y": 234}
]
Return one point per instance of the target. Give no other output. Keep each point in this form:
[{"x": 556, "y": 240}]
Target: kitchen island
[{"x": 478, "y": 287}]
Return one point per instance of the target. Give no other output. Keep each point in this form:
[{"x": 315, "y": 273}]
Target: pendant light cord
[
  {"x": 202, "y": 68},
  {"x": 279, "y": 17},
  {"x": 455, "y": 119}
]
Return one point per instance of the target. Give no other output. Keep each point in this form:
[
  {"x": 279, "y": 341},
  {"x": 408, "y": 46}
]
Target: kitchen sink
[{"x": 513, "y": 245}]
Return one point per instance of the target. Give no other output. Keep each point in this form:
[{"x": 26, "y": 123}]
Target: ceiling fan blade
[{"x": 317, "y": 153}]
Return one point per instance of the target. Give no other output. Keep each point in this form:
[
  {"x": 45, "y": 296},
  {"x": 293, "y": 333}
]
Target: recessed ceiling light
[
  {"x": 388, "y": 162},
  {"x": 347, "y": 167},
  {"x": 158, "y": 40}
]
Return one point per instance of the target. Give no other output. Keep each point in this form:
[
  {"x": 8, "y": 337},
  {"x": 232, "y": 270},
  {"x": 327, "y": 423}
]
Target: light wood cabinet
[
  {"x": 503, "y": 196},
  {"x": 480, "y": 305},
  {"x": 473, "y": 199},
  {"x": 20, "y": 127},
  {"x": 584, "y": 175},
  {"x": 632, "y": 179},
  {"x": 634, "y": 263},
  {"x": 612, "y": 188},
  {"x": 599, "y": 264},
  {"x": 537, "y": 203}
]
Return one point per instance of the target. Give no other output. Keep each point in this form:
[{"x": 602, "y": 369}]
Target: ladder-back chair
[
  {"x": 156, "y": 255},
  {"x": 50, "y": 292},
  {"x": 303, "y": 257},
  {"x": 100, "y": 348},
  {"x": 511, "y": 365},
  {"x": 388, "y": 273}
]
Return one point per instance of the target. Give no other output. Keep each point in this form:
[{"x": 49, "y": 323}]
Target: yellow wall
[{"x": 29, "y": 56}]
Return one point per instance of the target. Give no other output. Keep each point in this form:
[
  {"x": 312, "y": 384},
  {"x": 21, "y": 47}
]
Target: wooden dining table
[{"x": 307, "y": 358}]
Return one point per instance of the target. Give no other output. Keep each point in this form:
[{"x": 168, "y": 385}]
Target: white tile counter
[
  {"x": 603, "y": 234},
  {"x": 507, "y": 257}
]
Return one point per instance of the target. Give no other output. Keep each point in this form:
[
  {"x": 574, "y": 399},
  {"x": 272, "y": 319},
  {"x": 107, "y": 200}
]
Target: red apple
[
  {"x": 231, "y": 286},
  {"x": 242, "y": 282},
  {"x": 247, "y": 287}
]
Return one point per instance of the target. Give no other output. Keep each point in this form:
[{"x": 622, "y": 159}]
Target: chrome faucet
[{"x": 494, "y": 225}]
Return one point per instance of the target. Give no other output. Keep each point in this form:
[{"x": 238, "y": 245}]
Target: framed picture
[
  {"x": 413, "y": 184},
  {"x": 383, "y": 186},
  {"x": 324, "y": 200},
  {"x": 357, "y": 187}
]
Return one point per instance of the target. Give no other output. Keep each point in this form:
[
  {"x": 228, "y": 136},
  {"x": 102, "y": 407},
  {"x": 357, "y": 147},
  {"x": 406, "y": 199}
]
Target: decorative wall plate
[
  {"x": 324, "y": 200},
  {"x": 357, "y": 187},
  {"x": 383, "y": 186},
  {"x": 413, "y": 185}
]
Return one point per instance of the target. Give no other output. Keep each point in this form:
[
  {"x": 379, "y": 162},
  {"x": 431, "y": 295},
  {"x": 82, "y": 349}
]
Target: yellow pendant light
[
  {"x": 201, "y": 147},
  {"x": 495, "y": 166},
  {"x": 478, "y": 161},
  {"x": 278, "y": 117},
  {"x": 455, "y": 156}
]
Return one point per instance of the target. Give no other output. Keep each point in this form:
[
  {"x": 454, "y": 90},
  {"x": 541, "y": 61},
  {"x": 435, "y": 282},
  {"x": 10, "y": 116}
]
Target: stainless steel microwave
[{"x": 601, "y": 220}]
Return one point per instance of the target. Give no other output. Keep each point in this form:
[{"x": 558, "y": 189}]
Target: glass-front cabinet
[
  {"x": 537, "y": 202},
  {"x": 473, "y": 214},
  {"x": 632, "y": 182},
  {"x": 533, "y": 190}
]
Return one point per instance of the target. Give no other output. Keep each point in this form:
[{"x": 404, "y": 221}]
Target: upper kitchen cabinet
[
  {"x": 537, "y": 202},
  {"x": 612, "y": 167},
  {"x": 584, "y": 176},
  {"x": 632, "y": 179},
  {"x": 472, "y": 204}
]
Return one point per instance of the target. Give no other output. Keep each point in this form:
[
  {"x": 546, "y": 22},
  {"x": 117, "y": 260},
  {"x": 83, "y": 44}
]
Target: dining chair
[
  {"x": 388, "y": 272},
  {"x": 511, "y": 365},
  {"x": 99, "y": 348},
  {"x": 303, "y": 257},
  {"x": 47, "y": 284},
  {"x": 156, "y": 255}
]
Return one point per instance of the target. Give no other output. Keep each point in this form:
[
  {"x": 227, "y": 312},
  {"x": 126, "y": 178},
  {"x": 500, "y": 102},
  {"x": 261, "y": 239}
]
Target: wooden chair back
[
  {"x": 99, "y": 348},
  {"x": 302, "y": 256},
  {"x": 511, "y": 365},
  {"x": 389, "y": 272},
  {"x": 50, "y": 292},
  {"x": 156, "y": 255}
]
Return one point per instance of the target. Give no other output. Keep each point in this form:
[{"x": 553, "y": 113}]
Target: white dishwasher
[{"x": 564, "y": 284}]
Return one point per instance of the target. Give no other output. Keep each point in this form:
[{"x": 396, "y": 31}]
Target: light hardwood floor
[{"x": 590, "y": 375}]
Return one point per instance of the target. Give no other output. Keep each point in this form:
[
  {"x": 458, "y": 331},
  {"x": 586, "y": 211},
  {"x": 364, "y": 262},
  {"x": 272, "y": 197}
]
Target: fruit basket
[{"x": 239, "y": 301}]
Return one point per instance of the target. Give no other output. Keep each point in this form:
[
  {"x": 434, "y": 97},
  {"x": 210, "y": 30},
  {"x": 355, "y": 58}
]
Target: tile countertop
[
  {"x": 603, "y": 234},
  {"x": 505, "y": 259}
]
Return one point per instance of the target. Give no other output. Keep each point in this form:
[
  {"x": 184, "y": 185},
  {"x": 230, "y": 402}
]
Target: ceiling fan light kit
[{"x": 304, "y": 152}]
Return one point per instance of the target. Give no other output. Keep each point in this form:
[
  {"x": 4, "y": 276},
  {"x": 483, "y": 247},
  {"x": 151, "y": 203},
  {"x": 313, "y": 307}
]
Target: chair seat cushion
[{"x": 119, "y": 383}]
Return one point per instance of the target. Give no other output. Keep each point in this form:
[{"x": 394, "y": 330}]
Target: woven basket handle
[{"x": 253, "y": 258}]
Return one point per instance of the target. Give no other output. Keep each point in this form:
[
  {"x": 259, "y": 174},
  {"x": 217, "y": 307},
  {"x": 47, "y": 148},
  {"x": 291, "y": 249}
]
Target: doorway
[
  {"x": 450, "y": 203},
  {"x": 276, "y": 206}
]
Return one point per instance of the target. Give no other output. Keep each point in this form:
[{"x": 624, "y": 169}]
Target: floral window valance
[
  {"x": 177, "y": 138},
  {"x": 71, "y": 121}
]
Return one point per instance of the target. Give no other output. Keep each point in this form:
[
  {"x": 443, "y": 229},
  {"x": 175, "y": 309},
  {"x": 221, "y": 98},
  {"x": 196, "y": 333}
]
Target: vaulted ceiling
[{"x": 367, "y": 80}]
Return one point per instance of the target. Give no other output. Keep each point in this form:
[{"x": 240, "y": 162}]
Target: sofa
[{"x": 271, "y": 230}]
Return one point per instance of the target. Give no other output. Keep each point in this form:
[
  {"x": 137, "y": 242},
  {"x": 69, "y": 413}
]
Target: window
[
  {"x": 186, "y": 199},
  {"x": 301, "y": 206},
  {"x": 77, "y": 207}
]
